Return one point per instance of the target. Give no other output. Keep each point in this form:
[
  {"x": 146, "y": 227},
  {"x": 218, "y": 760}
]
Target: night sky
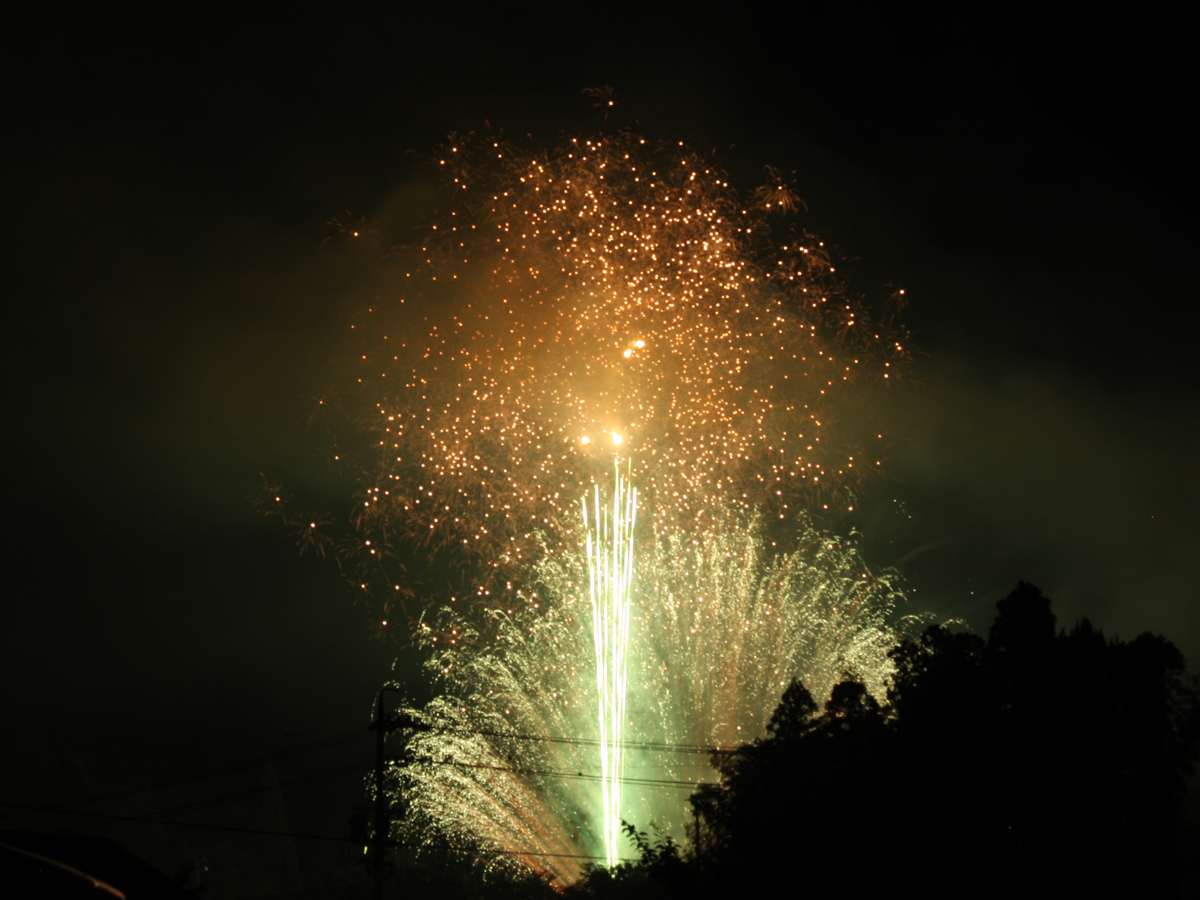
[{"x": 1029, "y": 181}]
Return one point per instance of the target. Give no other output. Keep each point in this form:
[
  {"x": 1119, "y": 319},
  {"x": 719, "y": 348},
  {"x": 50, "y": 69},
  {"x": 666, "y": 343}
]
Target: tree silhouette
[{"x": 1029, "y": 762}]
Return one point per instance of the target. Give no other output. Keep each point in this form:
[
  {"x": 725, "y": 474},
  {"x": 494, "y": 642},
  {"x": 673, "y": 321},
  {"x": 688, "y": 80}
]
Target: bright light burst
[
  {"x": 610, "y": 295},
  {"x": 720, "y": 626},
  {"x": 610, "y": 558},
  {"x": 609, "y": 289}
]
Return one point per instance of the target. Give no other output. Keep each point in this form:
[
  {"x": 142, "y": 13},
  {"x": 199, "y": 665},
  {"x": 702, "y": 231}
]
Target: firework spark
[
  {"x": 609, "y": 287},
  {"x": 719, "y": 627},
  {"x": 609, "y": 293},
  {"x": 609, "y": 550}
]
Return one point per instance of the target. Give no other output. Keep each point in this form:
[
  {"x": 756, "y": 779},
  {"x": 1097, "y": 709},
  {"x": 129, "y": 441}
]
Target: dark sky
[{"x": 1028, "y": 180}]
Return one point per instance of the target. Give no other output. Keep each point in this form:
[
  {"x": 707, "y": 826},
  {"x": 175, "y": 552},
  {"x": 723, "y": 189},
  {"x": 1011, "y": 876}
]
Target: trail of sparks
[
  {"x": 609, "y": 287},
  {"x": 719, "y": 627},
  {"x": 610, "y": 558}
]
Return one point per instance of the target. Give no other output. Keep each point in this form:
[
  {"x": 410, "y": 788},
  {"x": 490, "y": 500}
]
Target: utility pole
[{"x": 383, "y": 815}]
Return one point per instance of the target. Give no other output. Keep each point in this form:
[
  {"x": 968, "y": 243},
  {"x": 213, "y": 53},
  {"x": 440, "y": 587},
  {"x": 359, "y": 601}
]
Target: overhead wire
[
  {"x": 311, "y": 777},
  {"x": 334, "y": 741},
  {"x": 668, "y": 782},
  {"x": 317, "y": 837}
]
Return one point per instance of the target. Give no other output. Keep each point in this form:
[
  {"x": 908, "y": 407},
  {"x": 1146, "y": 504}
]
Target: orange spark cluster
[{"x": 608, "y": 292}]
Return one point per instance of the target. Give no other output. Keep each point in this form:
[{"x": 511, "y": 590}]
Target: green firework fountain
[
  {"x": 642, "y": 295},
  {"x": 718, "y": 626},
  {"x": 609, "y": 548}
]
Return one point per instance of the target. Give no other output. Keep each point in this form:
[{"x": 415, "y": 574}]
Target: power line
[
  {"x": 360, "y": 766},
  {"x": 322, "y": 744},
  {"x": 646, "y": 782},
  {"x": 329, "y": 743},
  {"x": 348, "y": 738},
  {"x": 322, "y": 837},
  {"x": 591, "y": 742}
]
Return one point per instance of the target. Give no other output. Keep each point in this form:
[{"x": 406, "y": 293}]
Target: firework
[
  {"x": 610, "y": 286},
  {"x": 609, "y": 552},
  {"x": 513, "y": 769},
  {"x": 608, "y": 292}
]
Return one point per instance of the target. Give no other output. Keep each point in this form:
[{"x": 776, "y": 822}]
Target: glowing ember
[{"x": 610, "y": 287}]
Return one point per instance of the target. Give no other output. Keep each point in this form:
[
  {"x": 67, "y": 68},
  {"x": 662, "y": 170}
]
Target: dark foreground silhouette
[{"x": 1029, "y": 762}]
